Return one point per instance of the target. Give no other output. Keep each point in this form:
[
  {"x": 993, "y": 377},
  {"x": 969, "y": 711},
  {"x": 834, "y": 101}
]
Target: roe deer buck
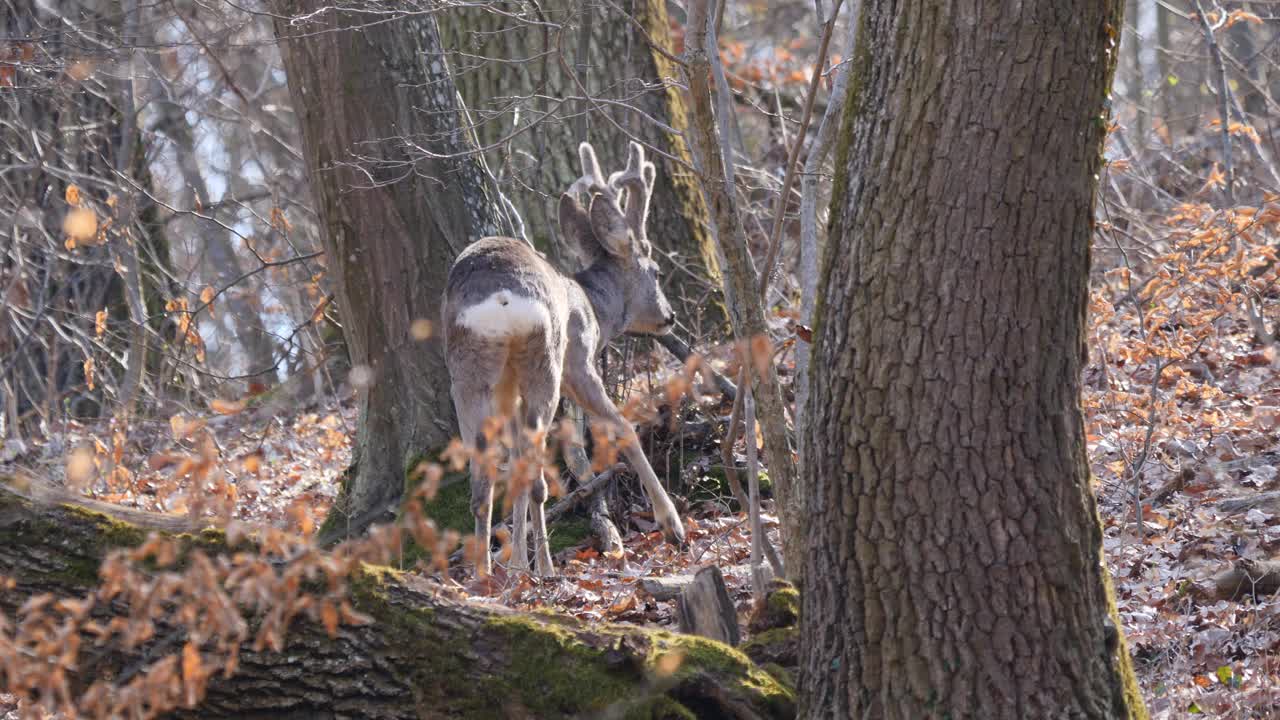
[{"x": 518, "y": 331}]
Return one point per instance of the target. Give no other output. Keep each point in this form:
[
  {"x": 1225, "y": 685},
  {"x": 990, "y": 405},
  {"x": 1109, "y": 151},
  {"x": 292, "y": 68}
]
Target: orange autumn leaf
[
  {"x": 227, "y": 407},
  {"x": 1237, "y": 16},
  {"x": 329, "y": 617},
  {"x": 252, "y": 463},
  {"x": 81, "y": 225},
  {"x": 193, "y": 674},
  {"x": 206, "y": 298},
  {"x": 318, "y": 313},
  {"x": 1217, "y": 179}
]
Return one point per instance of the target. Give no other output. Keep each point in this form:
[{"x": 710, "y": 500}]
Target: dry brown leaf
[
  {"x": 227, "y": 407},
  {"x": 81, "y": 225}
]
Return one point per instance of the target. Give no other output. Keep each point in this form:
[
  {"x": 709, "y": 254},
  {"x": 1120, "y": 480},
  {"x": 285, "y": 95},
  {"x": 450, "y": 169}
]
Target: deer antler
[
  {"x": 592, "y": 181},
  {"x": 637, "y": 180},
  {"x": 607, "y": 220}
]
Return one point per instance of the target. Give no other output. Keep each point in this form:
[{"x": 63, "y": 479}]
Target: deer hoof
[
  {"x": 674, "y": 533},
  {"x": 544, "y": 569}
]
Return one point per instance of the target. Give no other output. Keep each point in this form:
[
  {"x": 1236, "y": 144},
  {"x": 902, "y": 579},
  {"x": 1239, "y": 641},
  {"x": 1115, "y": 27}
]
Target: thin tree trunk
[
  {"x": 954, "y": 566},
  {"x": 373, "y": 99},
  {"x": 1244, "y": 48},
  {"x": 1164, "y": 90},
  {"x": 810, "y": 247},
  {"x": 512, "y": 74},
  {"x": 742, "y": 283},
  {"x": 1133, "y": 40}
]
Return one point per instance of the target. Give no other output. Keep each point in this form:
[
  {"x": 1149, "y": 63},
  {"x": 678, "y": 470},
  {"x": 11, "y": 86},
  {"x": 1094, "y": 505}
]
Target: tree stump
[{"x": 706, "y": 610}]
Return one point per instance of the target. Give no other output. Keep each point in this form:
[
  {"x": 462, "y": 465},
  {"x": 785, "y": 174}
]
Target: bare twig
[
  {"x": 793, "y": 158},
  {"x": 1224, "y": 114}
]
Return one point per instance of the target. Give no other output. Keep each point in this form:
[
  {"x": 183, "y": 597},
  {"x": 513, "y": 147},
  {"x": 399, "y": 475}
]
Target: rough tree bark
[
  {"x": 377, "y": 109},
  {"x": 502, "y": 61},
  {"x": 955, "y": 565},
  {"x": 424, "y": 656}
]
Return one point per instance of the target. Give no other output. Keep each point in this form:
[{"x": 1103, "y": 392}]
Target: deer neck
[{"x": 603, "y": 285}]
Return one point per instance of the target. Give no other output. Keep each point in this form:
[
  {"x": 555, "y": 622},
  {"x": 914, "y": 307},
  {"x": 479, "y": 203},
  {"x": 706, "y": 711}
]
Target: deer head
[{"x": 611, "y": 234}]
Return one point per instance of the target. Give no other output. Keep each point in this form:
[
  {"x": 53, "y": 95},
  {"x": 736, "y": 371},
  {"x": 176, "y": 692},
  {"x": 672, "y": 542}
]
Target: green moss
[
  {"x": 84, "y": 549},
  {"x": 542, "y": 666},
  {"x": 653, "y": 15},
  {"x": 569, "y": 531},
  {"x": 332, "y": 529},
  {"x": 704, "y": 655},
  {"x": 368, "y": 589},
  {"x": 714, "y": 485},
  {"x": 450, "y": 509},
  {"x": 553, "y": 674},
  {"x": 770, "y": 638},
  {"x": 1128, "y": 701},
  {"x": 115, "y": 533},
  {"x": 784, "y": 602},
  {"x": 782, "y": 675}
]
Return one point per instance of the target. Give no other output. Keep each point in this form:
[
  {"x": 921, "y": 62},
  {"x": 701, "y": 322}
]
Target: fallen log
[
  {"x": 669, "y": 587},
  {"x": 1268, "y": 501},
  {"x": 422, "y": 656},
  {"x": 683, "y": 352}
]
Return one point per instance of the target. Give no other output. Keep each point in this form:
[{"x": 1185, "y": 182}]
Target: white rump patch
[{"x": 505, "y": 314}]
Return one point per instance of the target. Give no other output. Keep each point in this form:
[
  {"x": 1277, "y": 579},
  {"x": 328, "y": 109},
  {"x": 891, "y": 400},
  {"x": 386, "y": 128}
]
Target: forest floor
[{"x": 1216, "y": 439}]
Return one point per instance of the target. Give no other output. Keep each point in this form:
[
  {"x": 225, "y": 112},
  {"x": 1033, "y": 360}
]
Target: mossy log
[{"x": 423, "y": 656}]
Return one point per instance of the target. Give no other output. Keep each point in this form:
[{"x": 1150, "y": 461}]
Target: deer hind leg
[
  {"x": 538, "y": 419},
  {"x": 540, "y": 391},
  {"x": 507, "y": 399},
  {"x": 474, "y": 403},
  {"x": 475, "y": 376}
]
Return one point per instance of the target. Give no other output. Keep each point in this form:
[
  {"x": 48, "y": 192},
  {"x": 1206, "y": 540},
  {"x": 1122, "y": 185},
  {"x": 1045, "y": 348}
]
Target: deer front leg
[
  {"x": 587, "y": 390},
  {"x": 541, "y": 547}
]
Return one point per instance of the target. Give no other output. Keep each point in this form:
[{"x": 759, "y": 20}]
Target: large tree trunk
[
  {"x": 370, "y": 97},
  {"x": 423, "y": 656},
  {"x": 501, "y": 63},
  {"x": 954, "y": 567}
]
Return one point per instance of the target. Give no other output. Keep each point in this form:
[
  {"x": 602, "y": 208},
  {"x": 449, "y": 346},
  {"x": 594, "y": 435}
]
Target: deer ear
[
  {"x": 575, "y": 226},
  {"x": 610, "y": 226}
]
